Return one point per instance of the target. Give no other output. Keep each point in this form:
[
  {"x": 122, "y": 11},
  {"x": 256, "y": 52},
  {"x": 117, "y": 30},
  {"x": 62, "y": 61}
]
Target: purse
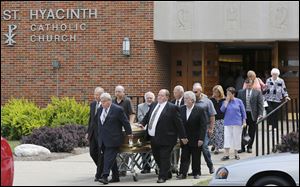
[{"x": 246, "y": 139}]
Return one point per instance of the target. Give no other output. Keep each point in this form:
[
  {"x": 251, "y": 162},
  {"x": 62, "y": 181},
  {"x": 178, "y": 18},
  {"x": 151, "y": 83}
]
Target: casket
[{"x": 139, "y": 143}]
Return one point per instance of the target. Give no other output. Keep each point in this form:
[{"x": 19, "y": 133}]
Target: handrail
[{"x": 266, "y": 116}]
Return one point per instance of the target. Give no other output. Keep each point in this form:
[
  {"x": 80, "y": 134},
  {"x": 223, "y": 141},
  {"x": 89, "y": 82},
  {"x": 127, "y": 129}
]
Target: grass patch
[
  {"x": 13, "y": 144},
  {"x": 202, "y": 183}
]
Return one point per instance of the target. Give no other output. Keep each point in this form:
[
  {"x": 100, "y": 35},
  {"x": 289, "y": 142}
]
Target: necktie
[
  {"x": 248, "y": 95},
  {"x": 248, "y": 100},
  {"x": 104, "y": 115},
  {"x": 177, "y": 102},
  {"x": 153, "y": 117}
]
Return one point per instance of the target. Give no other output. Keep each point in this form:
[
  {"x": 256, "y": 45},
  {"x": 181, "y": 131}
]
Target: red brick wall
[{"x": 95, "y": 59}]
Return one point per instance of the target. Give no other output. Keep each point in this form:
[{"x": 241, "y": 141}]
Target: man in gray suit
[
  {"x": 253, "y": 101},
  {"x": 143, "y": 108}
]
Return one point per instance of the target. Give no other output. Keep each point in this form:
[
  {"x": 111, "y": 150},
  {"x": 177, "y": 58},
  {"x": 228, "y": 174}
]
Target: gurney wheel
[{"x": 135, "y": 179}]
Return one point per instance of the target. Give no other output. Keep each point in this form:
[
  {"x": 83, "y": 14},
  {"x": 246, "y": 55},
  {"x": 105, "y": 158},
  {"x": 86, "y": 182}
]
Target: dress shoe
[
  {"x": 114, "y": 180},
  {"x": 191, "y": 174},
  {"x": 161, "y": 180},
  {"x": 104, "y": 180},
  {"x": 181, "y": 176},
  {"x": 97, "y": 179},
  {"x": 225, "y": 158},
  {"x": 145, "y": 171},
  {"x": 211, "y": 170},
  {"x": 241, "y": 151},
  {"x": 249, "y": 150},
  {"x": 196, "y": 176}
]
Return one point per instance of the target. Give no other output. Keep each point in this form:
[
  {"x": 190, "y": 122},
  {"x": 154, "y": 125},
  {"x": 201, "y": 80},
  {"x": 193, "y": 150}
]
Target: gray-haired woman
[{"x": 275, "y": 92}]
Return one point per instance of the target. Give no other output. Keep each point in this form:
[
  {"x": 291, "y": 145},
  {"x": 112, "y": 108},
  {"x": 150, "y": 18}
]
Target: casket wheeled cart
[{"x": 138, "y": 154}]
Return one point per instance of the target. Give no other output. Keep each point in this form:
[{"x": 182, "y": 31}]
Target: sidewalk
[{"x": 79, "y": 170}]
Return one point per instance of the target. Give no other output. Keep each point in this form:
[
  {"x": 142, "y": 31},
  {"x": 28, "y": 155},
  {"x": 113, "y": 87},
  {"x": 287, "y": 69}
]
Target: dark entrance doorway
[{"x": 237, "y": 60}]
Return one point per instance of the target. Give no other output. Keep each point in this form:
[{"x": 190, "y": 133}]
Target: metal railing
[{"x": 288, "y": 121}]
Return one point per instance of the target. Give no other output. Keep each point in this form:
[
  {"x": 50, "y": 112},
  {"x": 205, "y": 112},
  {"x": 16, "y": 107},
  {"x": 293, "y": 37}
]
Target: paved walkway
[{"x": 79, "y": 170}]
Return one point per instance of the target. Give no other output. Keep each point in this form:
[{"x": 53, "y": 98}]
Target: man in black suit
[
  {"x": 253, "y": 102},
  {"x": 164, "y": 126},
  {"x": 178, "y": 101},
  {"x": 195, "y": 124},
  {"x": 178, "y": 95},
  {"x": 92, "y": 132},
  {"x": 111, "y": 118}
]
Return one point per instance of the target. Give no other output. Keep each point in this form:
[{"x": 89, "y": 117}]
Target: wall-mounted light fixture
[{"x": 126, "y": 46}]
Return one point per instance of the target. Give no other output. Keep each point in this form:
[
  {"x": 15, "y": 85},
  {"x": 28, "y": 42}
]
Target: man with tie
[
  {"x": 178, "y": 101},
  {"x": 253, "y": 102},
  {"x": 143, "y": 108},
  {"x": 91, "y": 134},
  {"x": 164, "y": 125},
  {"x": 110, "y": 119},
  {"x": 195, "y": 124},
  {"x": 178, "y": 95}
]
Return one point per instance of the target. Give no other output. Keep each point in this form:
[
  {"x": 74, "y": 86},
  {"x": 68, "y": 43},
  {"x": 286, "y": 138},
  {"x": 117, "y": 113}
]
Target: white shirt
[
  {"x": 189, "y": 111},
  {"x": 247, "y": 92},
  {"x": 102, "y": 114},
  {"x": 179, "y": 101},
  {"x": 162, "y": 106},
  {"x": 98, "y": 104}
]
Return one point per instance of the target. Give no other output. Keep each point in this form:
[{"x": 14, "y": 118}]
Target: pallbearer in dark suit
[
  {"x": 91, "y": 134},
  {"x": 195, "y": 124},
  {"x": 178, "y": 96},
  {"x": 111, "y": 118},
  {"x": 178, "y": 101},
  {"x": 164, "y": 126}
]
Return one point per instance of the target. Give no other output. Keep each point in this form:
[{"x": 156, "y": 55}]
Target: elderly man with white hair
[
  {"x": 92, "y": 133},
  {"x": 195, "y": 123},
  {"x": 275, "y": 92},
  {"x": 111, "y": 119},
  {"x": 178, "y": 101},
  {"x": 143, "y": 108},
  {"x": 178, "y": 95}
]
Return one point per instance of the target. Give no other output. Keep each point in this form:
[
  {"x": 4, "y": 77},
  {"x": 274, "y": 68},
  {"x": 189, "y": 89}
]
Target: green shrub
[
  {"x": 66, "y": 111},
  {"x": 19, "y": 117}
]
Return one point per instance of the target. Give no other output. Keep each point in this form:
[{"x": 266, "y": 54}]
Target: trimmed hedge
[
  {"x": 66, "y": 111},
  {"x": 59, "y": 139},
  {"x": 19, "y": 117}
]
